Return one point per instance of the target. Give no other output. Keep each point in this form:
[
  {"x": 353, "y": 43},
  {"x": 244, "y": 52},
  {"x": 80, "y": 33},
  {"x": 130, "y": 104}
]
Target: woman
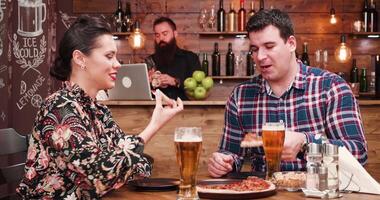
[{"x": 77, "y": 151}]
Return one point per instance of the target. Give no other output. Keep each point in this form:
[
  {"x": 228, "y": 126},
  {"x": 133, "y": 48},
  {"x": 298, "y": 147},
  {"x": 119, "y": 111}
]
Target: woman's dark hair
[
  {"x": 275, "y": 17},
  {"x": 81, "y": 36}
]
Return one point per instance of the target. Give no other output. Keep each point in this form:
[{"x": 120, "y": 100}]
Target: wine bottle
[
  {"x": 230, "y": 61},
  {"x": 377, "y": 73},
  {"x": 216, "y": 61},
  {"x": 305, "y": 56},
  {"x": 205, "y": 64},
  {"x": 252, "y": 11},
  {"x": 221, "y": 22},
  {"x": 118, "y": 17},
  {"x": 127, "y": 22},
  {"x": 363, "y": 81},
  {"x": 241, "y": 17},
  {"x": 365, "y": 13},
  {"x": 354, "y": 76},
  {"x": 262, "y": 5},
  {"x": 250, "y": 63},
  {"x": 231, "y": 20},
  {"x": 372, "y": 17}
]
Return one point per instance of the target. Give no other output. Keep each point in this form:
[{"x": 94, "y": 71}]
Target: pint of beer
[
  {"x": 273, "y": 140},
  {"x": 188, "y": 143}
]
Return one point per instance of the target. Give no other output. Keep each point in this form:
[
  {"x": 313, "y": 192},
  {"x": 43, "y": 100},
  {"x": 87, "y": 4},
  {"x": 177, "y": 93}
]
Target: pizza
[
  {"x": 251, "y": 140},
  {"x": 251, "y": 184}
]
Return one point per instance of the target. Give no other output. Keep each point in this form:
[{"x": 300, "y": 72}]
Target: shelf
[
  {"x": 224, "y": 34},
  {"x": 370, "y": 35},
  {"x": 121, "y": 35}
]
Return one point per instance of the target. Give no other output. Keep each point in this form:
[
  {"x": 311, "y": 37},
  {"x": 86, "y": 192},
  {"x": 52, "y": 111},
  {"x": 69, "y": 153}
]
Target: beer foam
[
  {"x": 188, "y": 138},
  {"x": 273, "y": 127}
]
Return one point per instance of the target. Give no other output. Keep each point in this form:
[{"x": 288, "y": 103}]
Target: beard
[{"x": 164, "y": 53}]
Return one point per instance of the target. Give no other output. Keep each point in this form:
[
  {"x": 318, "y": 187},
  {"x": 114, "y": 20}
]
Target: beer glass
[
  {"x": 188, "y": 145},
  {"x": 273, "y": 135}
]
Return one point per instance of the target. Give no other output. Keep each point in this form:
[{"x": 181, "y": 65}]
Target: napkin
[{"x": 353, "y": 176}]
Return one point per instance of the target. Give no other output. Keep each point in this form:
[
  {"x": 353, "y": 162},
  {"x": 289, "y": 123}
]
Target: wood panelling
[
  {"x": 211, "y": 119},
  {"x": 310, "y": 19}
]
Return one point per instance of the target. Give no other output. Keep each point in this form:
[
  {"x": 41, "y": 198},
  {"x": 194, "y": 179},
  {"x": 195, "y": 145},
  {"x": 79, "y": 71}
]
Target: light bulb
[
  {"x": 343, "y": 52},
  {"x": 332, "y": 18},
  {"x": 137, "y": 39}
]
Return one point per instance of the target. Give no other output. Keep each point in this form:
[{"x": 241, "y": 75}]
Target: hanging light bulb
[
  {"x": 137, "y": 39},
  {"x": 332, "y": 16},
  {"x": 342, "y": 52}
]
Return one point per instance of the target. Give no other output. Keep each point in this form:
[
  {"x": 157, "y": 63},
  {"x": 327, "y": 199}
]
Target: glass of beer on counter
[
  {"x": 188, "y": 146},
  {"x": 273, "y": 134}
]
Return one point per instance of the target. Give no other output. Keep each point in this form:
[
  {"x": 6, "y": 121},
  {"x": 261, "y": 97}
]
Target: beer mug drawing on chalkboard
[{"x": 31, "y": 15}]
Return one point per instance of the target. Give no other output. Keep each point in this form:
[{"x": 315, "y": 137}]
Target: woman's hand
[{"x": 165, "y": 110}]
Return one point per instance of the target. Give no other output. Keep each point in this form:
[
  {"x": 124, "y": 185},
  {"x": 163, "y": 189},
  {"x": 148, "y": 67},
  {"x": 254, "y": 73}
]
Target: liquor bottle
[
  {"x": 250, "y": 63},
  {"x": 252, "y": 11},
  {"x": 231, "y": 19},
  {"x": 372, "y": 17},
  {"x": 241, "y": 17},
  {"x": 262, "y": 7},
  {"x": 305, "y": 57},
  {"x": 230, "y": 61},
  {"x": 118, "y": 17},
  {"x": 216, "y": 61},
  {"x": 221, "y": 22},
  {"x": 354, "y": 76},
  {"x": 363, "y": 81},
  {"x": 127, "y": 22},
  {"x": 377, "y": 73},
  {"x": 205, "y": 64},
  {"x": 365, "y": 13}
]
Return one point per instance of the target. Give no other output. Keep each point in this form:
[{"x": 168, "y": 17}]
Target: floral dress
[{"x": 77, "y": 151}]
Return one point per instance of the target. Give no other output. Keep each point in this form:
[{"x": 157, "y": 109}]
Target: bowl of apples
[{"x": 198, "y": 86}]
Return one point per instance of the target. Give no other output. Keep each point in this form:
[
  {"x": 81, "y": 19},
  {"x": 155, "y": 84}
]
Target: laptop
[{"x": 132, "y": 83}]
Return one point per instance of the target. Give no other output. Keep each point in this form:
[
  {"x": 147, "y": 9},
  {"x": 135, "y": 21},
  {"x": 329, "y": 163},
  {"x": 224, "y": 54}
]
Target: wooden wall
[
  {"x": 211, "y": 119},
  {"x": 310, "y": 18}
]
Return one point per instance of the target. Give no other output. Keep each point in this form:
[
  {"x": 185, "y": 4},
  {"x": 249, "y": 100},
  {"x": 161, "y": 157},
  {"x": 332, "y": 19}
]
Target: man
[
  {"x": 310, "y": 101},
  {"x": 173, "y": 63}
]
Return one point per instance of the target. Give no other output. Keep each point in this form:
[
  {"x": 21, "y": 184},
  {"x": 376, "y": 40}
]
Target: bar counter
[{"x": 133, "y": 117}]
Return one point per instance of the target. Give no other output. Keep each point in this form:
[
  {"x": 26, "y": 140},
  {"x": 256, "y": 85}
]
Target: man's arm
[{"x": 343, "y": 124}]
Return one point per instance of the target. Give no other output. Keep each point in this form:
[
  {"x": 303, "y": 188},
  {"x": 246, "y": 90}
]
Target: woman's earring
[{"x": 83, "y": 66}]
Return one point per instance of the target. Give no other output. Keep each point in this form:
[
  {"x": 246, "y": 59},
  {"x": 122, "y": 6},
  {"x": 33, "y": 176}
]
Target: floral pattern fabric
[{"x": 77, "y": 151}]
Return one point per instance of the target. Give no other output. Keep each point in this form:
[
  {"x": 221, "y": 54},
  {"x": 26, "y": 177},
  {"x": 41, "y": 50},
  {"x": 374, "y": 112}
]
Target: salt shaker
[
  {"x": 312, "y": 179},
  {"x": 330, "y": 161},
  {"x": 314, "y": 155}
]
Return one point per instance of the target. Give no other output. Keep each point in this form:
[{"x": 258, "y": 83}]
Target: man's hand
[
  {"x": 292, "y": 145},
  {"x": 167, "y": 80},
  {"x": 220, "y": 164}
]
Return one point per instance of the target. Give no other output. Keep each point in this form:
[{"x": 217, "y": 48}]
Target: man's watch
[{"x": 304, "y": 145}]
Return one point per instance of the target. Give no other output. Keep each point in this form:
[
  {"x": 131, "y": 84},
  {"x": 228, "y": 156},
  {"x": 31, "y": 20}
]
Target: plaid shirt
[{"x": 318, "y": 102}]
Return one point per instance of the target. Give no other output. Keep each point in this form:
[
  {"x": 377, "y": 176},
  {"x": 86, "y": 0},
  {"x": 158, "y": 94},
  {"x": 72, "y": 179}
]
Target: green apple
[
  {"x": 190, "y": 83},
  {"x": 207, "y": 83},
  {"x": 200, "y": 93},
  {"x": 190, "y": 93},
  {"x": 199, "y": 75}
]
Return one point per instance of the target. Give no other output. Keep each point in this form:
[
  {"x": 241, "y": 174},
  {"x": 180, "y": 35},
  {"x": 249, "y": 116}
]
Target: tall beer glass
[
  {"x": 188, "y": 143},
  {"x": 273, "y": 140}
]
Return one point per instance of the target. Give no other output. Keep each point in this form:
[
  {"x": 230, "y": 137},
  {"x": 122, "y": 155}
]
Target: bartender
[{"x": 170, "y": 65}]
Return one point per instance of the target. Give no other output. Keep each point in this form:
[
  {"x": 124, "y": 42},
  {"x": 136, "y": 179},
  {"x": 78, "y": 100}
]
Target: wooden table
[{"x": 124, "y": 193}]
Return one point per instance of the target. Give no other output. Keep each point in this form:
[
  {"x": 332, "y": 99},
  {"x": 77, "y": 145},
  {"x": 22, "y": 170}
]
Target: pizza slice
[{"x": 251, "y": 140}]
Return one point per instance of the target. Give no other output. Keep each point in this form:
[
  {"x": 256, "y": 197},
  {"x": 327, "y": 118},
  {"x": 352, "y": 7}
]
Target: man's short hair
[
  {"x": 275, "y": 17},
  {"x": 167, "y": 20}
]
